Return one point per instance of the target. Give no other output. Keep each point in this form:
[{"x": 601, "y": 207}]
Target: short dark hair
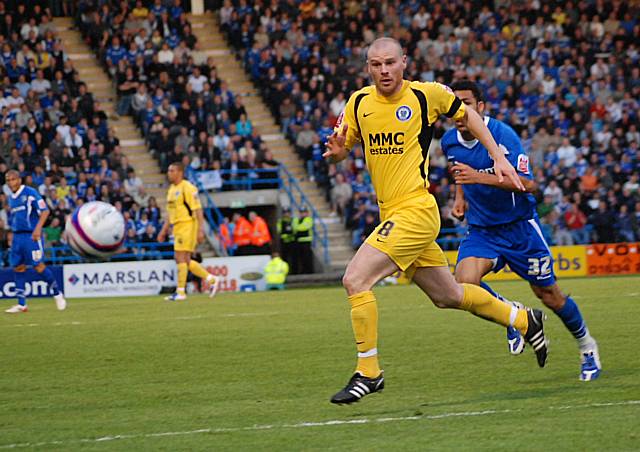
[
  {"x": 179, "y": 166},
  {"x": 468, "y": 85}
]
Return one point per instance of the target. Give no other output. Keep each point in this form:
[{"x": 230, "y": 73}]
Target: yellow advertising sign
[{"x": 568, "y": 261}]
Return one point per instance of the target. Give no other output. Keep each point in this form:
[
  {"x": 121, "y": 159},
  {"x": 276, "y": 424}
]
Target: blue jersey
[
  {"x": 491, "y": 206},
  {"x": 115, "y": 54},
  {"x": 25, "y": 207}
]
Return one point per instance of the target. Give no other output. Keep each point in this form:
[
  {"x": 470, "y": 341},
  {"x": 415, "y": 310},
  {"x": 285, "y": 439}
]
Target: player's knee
[
  {"x": 20, "y": 268},
  {"x": 550, "y": 297},
  {"x": 40, "y": 267},
  {"x": 467, "y": 278},
  {"x": 446, "y": 300},
  {"x": 353, "y": 282}
]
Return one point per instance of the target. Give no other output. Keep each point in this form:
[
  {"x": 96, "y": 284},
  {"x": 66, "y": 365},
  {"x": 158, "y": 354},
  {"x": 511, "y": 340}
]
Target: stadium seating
[
  {"x": 566, "y": 81},
  {"x": 56, "y": 134},
  {"x": 171, "y": 88}
]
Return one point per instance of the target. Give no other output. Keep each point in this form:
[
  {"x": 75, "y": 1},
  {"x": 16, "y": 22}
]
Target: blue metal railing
[
  {"x": 249, "y": 179},
  {"x": 298, "y": 199},
  {"x": 212, "y": 212},
  {"x": 62, "y": 254}
]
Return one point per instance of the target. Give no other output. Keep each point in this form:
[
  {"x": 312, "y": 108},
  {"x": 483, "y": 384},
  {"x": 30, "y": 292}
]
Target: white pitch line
[
  {"x": 250, "y": 314},
  {"x": 20, "y": 325},
  {"x": 431, "y": 417}
]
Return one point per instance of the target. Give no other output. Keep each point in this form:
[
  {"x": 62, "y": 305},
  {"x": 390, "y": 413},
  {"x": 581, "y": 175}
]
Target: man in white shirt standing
[
  {"x": 197, "y": 80},
  {"x": 14, "y": 101},
  {"x": 40, "y": 84},
  {"x": 567, "y": 153}
]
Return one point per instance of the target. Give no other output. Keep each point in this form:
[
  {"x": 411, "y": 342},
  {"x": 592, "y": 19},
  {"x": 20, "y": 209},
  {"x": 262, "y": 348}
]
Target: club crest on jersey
[
  {"x": 403, "y": 113},
  {"x": 523, "y": 164}
]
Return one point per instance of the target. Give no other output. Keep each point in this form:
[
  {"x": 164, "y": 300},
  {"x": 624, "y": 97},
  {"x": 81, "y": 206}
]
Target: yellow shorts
[
  {"x": 185, "y": 236},
  {"x": 407, "y": 233}
]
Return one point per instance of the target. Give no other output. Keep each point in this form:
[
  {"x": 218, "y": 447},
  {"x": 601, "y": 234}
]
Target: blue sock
[
  {"x": 47, "y": 276},
  {"x": 21, "y": 280},
  {"x": 572, "y": 319},
  {"x": 486, "y": 287}
]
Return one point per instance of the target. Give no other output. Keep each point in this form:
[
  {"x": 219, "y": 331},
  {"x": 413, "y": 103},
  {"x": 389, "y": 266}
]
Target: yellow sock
[
  {"x": 481, "y": 303},
  {"x": 182, "y": 277},
  {"x": 364, "y": 319},
  {"x": 200, "y": 271}
]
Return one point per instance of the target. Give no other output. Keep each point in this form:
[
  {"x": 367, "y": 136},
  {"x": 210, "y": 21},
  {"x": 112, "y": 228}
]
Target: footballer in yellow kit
[
  {"x": 182, "y": 202},
  {"x": 393, "y": 120},
  {"x": 187, "y": 220},
  {"x": 395, "y": 137}
]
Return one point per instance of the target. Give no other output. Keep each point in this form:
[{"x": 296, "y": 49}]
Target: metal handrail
[
  {"x": 319, "y": 227},
  {"x": 297, "y": 199},
  {"x": 62, "y": 254},
  {"x": 214, "y": 223}
]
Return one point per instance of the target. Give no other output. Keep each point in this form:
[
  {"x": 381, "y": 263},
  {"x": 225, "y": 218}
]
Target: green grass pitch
[{"x": 255, "y": 372}]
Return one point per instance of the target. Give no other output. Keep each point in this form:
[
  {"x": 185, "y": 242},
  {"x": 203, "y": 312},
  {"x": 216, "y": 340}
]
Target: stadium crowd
[
  {"x": 55, "y": 133},
  {"x": 172, "y": 89},
  {"x": 565, "y": 76}
]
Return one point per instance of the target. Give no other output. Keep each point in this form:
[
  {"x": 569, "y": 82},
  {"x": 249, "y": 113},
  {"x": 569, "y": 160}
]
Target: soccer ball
[{"x": 95, "y": 229}]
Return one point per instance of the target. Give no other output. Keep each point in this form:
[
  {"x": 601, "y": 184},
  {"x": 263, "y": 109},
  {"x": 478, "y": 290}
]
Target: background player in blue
[
  {"x": 28, "y": 213},
  {"x": 503, "y": 225}
]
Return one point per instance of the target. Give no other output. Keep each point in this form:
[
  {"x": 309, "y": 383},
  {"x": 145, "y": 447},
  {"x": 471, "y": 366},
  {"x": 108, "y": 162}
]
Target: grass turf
[{"x": 250, "y": 371}]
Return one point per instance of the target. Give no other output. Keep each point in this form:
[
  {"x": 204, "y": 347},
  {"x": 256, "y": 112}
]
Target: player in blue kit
[
  {"x": 27, "y": 215},
  {"x": 503, "y": 225}
]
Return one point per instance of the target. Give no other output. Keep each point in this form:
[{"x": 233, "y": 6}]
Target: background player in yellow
[
  {"x": 393, "y": 120},
  {"x": 187, "y": 220}
]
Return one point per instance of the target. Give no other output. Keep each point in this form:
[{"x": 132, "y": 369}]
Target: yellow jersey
[
  {"x": 396, "y": 132},
  {"x": 182, "y": 201}
]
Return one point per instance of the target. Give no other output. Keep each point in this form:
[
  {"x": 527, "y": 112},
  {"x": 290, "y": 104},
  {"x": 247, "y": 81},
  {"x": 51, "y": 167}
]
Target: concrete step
[
  {"x": 93, "y": 69},
  {"x": 152, "y": 177},
  {"x": 63, "y": 21}
]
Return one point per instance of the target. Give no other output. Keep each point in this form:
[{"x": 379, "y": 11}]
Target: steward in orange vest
[
  {"x": 225, "y": 235},
  {"x": 260, "y": 237},
  {"x": 242, "y": 235}
]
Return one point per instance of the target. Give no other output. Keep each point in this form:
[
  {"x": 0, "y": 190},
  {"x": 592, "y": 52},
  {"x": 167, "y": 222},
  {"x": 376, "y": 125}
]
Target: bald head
[
  {"x": 384, "y": 46},
  {"x": 386, "y": 64}
]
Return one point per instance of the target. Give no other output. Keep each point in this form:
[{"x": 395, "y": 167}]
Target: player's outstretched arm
[
  {"x": 336, "y": 150},
  {"x": 504, "y": 169},
  {"x": 465, "y": 175}
]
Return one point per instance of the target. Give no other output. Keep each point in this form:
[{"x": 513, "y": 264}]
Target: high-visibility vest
[
  {"x": 260, "y": 234},
  {"x": 276, "y": 271},
  {"x": 303, "y": 228},
  {"x": 285, "y": 230},
  {"x": 225, "y": 236},
  {"x": 242, "y": 232}
]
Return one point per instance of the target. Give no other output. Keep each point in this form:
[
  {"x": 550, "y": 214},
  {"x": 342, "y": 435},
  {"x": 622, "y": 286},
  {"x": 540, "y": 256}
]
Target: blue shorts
[
  {"x": 519, "y": 244},
  {"x": 25, "y": 251}
]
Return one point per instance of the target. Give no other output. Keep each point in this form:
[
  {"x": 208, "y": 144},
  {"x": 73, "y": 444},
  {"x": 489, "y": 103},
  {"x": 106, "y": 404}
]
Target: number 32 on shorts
[
  {"x": 540, "y": 266},
  {"x": 386, "y": 228}
]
